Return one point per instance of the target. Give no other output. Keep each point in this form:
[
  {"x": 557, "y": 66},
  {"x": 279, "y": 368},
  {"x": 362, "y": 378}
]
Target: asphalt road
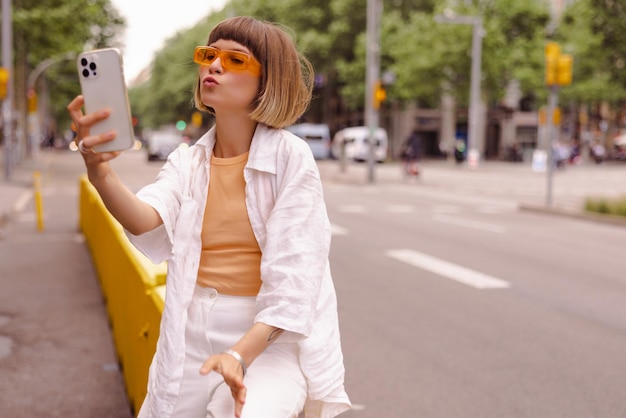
[
  {"x": 459, "y": 305},
  {"x": 453, "y": 301}
]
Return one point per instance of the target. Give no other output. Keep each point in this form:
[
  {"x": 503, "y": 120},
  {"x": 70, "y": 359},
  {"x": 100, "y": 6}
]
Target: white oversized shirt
[{"x": 288, "y": 215}]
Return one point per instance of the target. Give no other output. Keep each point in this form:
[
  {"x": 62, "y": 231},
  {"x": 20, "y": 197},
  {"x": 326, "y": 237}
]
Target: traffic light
[
  {"x": 556, "y": 116},
  {"x": 552, "y": 52},
  {"x": 4, "y": 83},
  {"x": 31, "y": 101},
  {"x": 379, "y": 95},
  {"x": 564, "y": 70},
  {"x": 558, "y": 66}
]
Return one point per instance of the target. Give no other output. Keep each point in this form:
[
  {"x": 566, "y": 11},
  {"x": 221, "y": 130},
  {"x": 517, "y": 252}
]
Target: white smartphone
[{"x": 101, "y": 74}]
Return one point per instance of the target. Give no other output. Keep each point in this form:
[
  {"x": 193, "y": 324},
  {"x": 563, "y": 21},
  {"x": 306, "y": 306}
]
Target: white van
[
  {"x": 317, "y": 135},
  {"x": 356, "y": 145}
]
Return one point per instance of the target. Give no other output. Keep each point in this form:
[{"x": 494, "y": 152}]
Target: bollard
[{"x": 38, "y": 200}]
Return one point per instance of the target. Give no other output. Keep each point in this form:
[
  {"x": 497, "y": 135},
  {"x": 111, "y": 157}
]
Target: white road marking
[
  {"x": 444, "y": 268},
  {"x": 446, "y": 209},
  {"x": 454, "y": 220},
  {"x": 22, "y": 201},
  {"x": 400, "y": 209},
  {"x": 490, "y": 210},
  {"x": 352, "y": 208},
  {"x": 338, "y": 230}
]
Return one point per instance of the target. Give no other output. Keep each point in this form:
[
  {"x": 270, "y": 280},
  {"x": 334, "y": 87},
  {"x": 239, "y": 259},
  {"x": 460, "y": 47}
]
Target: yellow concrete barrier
[{"x": 132, "y": 286}]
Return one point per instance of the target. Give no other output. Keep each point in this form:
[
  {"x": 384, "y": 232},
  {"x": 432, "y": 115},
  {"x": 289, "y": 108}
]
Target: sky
[{"x": 149, "y": 23}]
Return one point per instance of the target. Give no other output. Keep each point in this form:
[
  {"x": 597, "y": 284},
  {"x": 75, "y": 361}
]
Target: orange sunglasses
[{"x": 231, "y": 60}]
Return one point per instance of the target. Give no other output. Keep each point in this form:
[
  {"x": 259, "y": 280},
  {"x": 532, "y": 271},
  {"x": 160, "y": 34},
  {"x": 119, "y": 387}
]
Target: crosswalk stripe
[
  {"x": 444, "y": 268},
  {"x": 338, "y": 230},
  {"x": 352, "y": 208},
  {"x": 455, "y": 220}
]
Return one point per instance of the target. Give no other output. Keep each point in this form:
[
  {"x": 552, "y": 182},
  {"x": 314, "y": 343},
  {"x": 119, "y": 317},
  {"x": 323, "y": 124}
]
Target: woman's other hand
[{"x": 232, "y": 372}]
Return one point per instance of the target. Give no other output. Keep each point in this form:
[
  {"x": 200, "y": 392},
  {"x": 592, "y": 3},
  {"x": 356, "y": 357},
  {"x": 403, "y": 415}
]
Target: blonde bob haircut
[{"x": 286, "y": 82}]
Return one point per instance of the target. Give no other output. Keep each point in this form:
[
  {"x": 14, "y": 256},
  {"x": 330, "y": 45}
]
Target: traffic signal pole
[
  {"x": 372, "y": 75},
  {"x": 553, "y": 102},
  {"x": 7, "y": 103},
  {"x": 558, "y": 73}
]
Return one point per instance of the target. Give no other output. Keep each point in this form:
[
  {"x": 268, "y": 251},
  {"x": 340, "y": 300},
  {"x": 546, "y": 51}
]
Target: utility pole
[
  {"x": 372, "y": 76},
  {"x": 7, "y": 104}
]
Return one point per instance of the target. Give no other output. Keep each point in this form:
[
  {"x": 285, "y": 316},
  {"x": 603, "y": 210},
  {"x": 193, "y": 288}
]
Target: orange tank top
[{"x": 231, "y": 258}]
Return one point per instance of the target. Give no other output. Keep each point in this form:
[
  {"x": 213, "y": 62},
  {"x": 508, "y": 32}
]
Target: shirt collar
[{"x": 263, "y": 148}]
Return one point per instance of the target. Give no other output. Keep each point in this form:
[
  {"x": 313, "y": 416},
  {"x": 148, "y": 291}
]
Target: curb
[{"x": 588, "y": 216}]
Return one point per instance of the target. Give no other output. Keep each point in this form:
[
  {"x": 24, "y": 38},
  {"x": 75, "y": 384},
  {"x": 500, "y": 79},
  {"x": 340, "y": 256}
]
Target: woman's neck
[{"x": 233, "y": 136}]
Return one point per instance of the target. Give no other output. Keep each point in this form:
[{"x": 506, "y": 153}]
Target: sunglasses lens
[
  {"x": 204, "y": 56},
  {"x": 209, "y": 56},
  {"x": 235, "y": 61}
]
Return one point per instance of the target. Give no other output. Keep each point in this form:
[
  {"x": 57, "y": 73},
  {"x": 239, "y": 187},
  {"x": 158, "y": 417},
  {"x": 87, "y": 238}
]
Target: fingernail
[
  {"x": 104, "y": 113},
  {"x": 109, "y": 135}
]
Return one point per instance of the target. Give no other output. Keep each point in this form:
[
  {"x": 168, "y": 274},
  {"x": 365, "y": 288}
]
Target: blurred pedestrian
[
  {"x": 459, "y": 151},
  {"x": 411, "y": 154},
  {"x": 250, "y": 324}
]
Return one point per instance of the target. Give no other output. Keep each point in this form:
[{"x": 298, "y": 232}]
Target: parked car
[
  {"x": 317, "y": 135},
  {"x": 355, "y": 144},
  {"x": 161, "y": 143}
]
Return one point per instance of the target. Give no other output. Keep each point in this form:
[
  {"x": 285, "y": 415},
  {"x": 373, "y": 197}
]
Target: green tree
[
  {"x": 608, "y": 19},
  {"x": 44, "y": 29},
  {"x": 423, "y": 54},
  {"x": 167, "y": 95},
  {"x": 588, "y": 32}
]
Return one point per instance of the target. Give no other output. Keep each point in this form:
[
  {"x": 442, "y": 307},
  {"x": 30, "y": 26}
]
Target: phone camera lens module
[
  {"x": 83, "y": 62},
  {"x": 85, "y": 73},
  {"x": 92, "y": 66}
]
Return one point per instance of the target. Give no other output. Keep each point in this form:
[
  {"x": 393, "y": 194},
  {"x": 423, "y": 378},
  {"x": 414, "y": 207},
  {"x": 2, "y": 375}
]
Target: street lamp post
[
  {"x": 34, "y": 127},
  {"x": 474, "y": 105}
]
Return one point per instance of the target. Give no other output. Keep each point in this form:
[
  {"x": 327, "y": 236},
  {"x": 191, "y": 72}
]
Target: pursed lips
[{"x": 209, "y": 82}]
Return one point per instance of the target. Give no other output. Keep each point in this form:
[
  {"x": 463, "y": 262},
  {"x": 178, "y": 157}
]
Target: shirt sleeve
[
  {"x": 165, "y": 195},
  {"x": 297, "y": 246}
]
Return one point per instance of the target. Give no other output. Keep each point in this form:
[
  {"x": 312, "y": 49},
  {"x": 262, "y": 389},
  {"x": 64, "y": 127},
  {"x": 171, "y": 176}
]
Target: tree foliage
[
  {"x": 588, "y": 32},
  {"x": 424, "y": 56},
  {"x": 44, "y": 29}
]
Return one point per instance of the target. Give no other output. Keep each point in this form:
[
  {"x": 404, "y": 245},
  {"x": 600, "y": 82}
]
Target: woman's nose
[{"x": 216, "y": 66}]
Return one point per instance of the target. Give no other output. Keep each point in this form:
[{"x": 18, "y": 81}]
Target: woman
[{"x": 249, "y": 327}]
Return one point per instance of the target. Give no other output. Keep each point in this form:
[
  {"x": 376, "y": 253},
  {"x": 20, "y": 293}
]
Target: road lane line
[
  {"x": 400, "y": 209},
  {"x": 452, "y": 271},
  {"x": 22, "y": 201},
  {"x": 352, "y": 208},
  {"x": 454, "y": 220},
  {"x": 337, "y": 230}
]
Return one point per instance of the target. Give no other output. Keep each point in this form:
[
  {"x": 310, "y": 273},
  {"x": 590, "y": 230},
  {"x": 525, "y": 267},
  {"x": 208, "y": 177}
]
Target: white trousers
[{"x": 275, "y": 383}]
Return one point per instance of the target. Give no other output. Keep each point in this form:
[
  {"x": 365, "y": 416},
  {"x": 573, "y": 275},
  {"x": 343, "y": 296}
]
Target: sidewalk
[
  {"x": 56, "y": 350},
  {"x": 515, "y": 182},
  {"x": 14, "y": 191}
]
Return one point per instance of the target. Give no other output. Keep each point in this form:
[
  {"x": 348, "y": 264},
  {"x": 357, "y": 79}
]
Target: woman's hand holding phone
[{"x": 86, "y": 142}]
